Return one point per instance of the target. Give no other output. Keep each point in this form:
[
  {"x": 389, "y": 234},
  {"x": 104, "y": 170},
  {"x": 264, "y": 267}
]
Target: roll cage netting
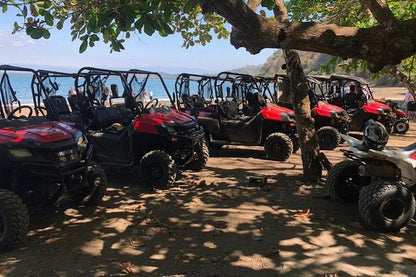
[
  {"x": 9, "y": 98},
  {"x": 203, "y": 85},
  {"x": 89, "y": 81},
  {"x": 236, "y": 85},
  {"x": 137, "y": 80},
  {"x": 8, "y": 95}
]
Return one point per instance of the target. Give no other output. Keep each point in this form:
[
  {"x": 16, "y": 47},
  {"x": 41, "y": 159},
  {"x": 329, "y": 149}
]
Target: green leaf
[
  {"x": 148, "y": 26},
  {"x": 4, "y": 8},
  {"x": 48, "y": 19},
  {"x": 263, "y": 13},
  {"x": 24, "y": 12},
  {"x": 60, "y": 24},
  {"x": 46, "y": 34},
  {"x": 268, "y": 4},
  {"x": 189, "y": 6},
  {"x": 35, "y": 33},
  {"x": 83, "y": 46}
]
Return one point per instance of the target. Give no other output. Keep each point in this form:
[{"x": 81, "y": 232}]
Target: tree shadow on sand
[{"x": 219, "y": 228}]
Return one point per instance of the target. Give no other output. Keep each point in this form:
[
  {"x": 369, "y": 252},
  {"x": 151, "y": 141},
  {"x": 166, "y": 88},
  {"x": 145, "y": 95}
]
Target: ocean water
[{"x": 21, "y": 84}]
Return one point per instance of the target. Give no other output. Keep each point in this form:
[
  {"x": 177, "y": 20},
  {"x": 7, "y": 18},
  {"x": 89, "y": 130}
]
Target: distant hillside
[
  {"x": 311, "y": 63},
  {"x": 249, "y": 69}
]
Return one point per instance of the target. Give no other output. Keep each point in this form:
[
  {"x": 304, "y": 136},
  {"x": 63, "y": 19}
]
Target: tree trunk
[
  {"x": 401, "y": 77},
  {"x": 305, "y": 124}
]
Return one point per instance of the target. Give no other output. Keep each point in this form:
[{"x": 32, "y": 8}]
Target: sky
[{"x": 155, "y": 53}]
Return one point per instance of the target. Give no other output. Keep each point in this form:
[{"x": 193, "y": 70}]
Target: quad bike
[
  {"x": 359, "y": 104},
  {"x": 382, "y": 181},
  {"x": 330, "y": 121},
  {"x": 44, "y": 163},
  {"x": 401, "y": 124},
  {"x": 238, "y": 114}
]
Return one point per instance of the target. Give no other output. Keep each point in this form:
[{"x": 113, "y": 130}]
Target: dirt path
[{"x": 217, "y": 227}]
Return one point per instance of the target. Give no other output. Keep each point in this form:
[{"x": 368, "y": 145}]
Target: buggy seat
[{"x": 104, "y": 117}]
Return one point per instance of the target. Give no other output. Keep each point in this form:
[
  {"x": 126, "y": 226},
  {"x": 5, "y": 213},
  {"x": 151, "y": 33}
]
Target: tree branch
[
  {"x": 375, "y": 45},
  {"x": 381, "y": 13}
]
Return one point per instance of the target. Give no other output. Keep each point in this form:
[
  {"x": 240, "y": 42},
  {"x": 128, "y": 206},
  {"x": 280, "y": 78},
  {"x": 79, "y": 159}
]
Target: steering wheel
[
  {"x": 187, "y": 100},
  {"x": 95, "y": 102},
  {"x": 42, "y": 110},
  {"x": 19, "y": 109},
  {"x": 150, "y": 105}
]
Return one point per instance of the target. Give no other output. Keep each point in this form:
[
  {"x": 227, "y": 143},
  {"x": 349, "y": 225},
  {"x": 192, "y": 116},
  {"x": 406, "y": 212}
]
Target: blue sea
[{"x": 21, "y": 84}]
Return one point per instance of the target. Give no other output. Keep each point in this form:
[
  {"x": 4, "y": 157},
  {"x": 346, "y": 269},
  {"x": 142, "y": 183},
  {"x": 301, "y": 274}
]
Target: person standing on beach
[
  {"x": 144, "y": 93},
  {"x": 151, "y": 95},
  {"x": 105, "y": 95},
  {"x": 409, "y": 104}
]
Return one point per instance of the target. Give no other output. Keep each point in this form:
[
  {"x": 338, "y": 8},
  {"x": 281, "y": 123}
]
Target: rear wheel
[
  {"x": 278, "y": 146},
  {"x": 401, "y": 126},
  {"x": 385, "y": 206},
  {"x": 157, "y": 170},
  {"x": 14, "y": 220},
  {"x": 344, "y": 183},
  {"x": 96, "y": 187},
  {"x": 328, "y": 137},
  {"x": 200, "y": 160}
]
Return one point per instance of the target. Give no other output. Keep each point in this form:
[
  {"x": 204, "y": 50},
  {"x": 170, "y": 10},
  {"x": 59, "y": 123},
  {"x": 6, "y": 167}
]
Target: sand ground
[{"x": 213, "y": 223}]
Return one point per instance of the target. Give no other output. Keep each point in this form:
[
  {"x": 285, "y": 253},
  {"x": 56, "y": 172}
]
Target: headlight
[
  {"x": 21, "y": 153},
  {"x": 336, "y": 115},
  {"x": 382, "y": 111},
  {"x": 82, "y": 142},
  {"x": 170, "y": 129}
]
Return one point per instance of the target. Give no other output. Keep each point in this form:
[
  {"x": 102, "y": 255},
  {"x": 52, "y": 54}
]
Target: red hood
[
  {"x": 274, "y": 112},
  {"x": 47, "y": 132},
  {"x": 146, "y": 123},
  {"x": 325, "y": 109},
  {"x": 374, "y": 106}
]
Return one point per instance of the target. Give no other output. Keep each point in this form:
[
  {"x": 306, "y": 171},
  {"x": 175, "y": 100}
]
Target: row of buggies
[{"x": 54, "y": 145}]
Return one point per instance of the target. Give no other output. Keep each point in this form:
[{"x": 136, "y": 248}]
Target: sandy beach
[{"x": 215, "y": 223}]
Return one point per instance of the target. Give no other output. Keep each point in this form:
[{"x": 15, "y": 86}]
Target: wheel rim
[
  {"x": 393, "y": 209},
  {"x": 326, "y": 139},
  {"x": 277, "y": 148},
  {"x": 156, "y": 170},
  {"x": 401, "y": 126},
  {"x": 351, "y": 186}
]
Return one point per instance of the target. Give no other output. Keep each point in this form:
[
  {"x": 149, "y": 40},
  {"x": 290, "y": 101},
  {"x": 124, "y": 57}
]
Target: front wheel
[
  {"x": 200, "y": 160},
  {"x": 157, "y": 170},
  {"x": 344, "y": 183},
  {"x": 14, "y": 220},
  {"x": 401, "y": 126},
  {"x": 96, "y": 186},
  {"x": 385, "y": 206},
  {"x": 278, "y": 147},
  {"x": 328, "y": 137}
]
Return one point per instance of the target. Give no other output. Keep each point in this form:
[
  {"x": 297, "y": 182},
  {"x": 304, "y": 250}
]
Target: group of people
[{"x": 108, "y": 93}]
